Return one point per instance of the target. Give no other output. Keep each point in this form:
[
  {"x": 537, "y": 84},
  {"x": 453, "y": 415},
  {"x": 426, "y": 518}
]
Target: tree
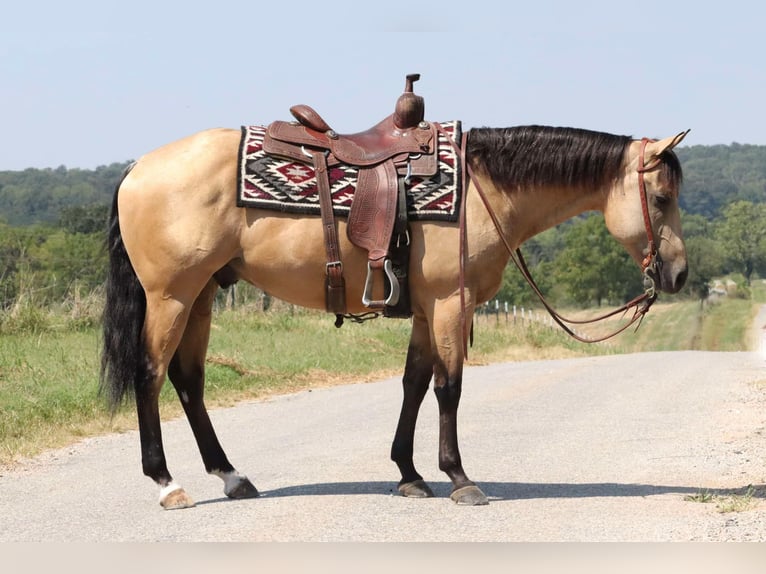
[
  {"x": 67, "y": 262},
  {"x": 705, "y": 260},
  {"x": 515, "y": 289},
  {"x": 38, "y": 195},
  {"x": 715, "y": 176},
  {"x": 539, "y": 252},
  {"x": 48, "y": 263},
  {"x": 593, "y": 267},
  {"x": 84, "y": 218},
  {"x": 704, "y": 255},
  {"x": 742, "y": 234}
]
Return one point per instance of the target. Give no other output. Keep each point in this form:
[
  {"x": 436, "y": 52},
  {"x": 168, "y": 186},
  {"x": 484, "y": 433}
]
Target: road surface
[{"x": 589, "y": 449}]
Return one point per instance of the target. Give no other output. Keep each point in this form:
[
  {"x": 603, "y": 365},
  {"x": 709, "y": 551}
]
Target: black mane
[{"x": 547, "y": 156}]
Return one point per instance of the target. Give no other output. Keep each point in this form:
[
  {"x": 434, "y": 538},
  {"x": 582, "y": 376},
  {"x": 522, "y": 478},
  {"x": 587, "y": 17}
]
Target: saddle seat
[
  {"x": 384, "y": 140},
  {"x": 404, "y": 133},
  {"x": 400, "y": 145}
]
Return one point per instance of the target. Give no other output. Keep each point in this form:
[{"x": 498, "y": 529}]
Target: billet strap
[{"x": 336, "y": 286}]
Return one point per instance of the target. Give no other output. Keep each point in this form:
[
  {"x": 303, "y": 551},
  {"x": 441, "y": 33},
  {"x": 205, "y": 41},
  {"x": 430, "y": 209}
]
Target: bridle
[
  {"x": 649, "y": 266},
  {"x": 652, "y": 261}
]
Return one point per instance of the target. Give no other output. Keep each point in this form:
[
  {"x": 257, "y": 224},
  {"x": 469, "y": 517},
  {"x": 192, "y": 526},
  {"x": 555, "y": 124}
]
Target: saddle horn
[{"x": 410, "y": 108}]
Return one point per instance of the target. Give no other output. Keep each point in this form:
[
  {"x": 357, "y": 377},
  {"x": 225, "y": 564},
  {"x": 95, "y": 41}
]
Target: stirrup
[{"x": 393, "y": 296}]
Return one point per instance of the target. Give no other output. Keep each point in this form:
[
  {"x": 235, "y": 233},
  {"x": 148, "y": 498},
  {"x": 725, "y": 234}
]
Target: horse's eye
[{"x": 661, "y": 200}]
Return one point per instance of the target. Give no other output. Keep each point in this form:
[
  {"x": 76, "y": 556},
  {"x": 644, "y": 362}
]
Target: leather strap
[
  {"x": 335, "y": 284},
  {"x": 461, "y": 280},
  {"x": 652, "y": 249}
]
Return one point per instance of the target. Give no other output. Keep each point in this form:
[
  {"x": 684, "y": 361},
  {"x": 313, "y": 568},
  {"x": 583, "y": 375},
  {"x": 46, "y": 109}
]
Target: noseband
[{"x": 649, "y": 266}]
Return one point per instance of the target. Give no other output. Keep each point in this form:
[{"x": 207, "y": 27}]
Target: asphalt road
[{"x": 589, "y": 449}]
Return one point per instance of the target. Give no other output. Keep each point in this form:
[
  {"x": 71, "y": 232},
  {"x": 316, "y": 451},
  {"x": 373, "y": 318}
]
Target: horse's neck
[
  {"x": 550, "y": 207},
  {"x": 538, "y": 209}
]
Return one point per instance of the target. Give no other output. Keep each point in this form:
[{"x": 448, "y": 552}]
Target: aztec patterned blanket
[{"x": 268, "y": 182}]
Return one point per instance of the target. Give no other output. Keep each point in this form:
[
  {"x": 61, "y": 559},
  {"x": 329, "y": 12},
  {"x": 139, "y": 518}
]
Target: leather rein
[{"x": 651, "y": 262}]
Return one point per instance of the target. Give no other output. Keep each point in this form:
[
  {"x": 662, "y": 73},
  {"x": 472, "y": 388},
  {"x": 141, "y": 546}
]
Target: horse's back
[{"x": 208, "y": 157}]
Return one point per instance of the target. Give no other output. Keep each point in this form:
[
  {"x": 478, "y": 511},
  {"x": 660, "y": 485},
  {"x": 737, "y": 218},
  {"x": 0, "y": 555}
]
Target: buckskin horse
[{"x": 176, "y": 236}]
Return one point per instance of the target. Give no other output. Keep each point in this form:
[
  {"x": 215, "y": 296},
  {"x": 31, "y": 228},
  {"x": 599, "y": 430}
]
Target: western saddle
[{"x": 400, "y": 146}]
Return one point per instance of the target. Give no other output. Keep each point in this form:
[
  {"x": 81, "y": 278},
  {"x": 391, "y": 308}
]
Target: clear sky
[{"x": 90, "y": 83}]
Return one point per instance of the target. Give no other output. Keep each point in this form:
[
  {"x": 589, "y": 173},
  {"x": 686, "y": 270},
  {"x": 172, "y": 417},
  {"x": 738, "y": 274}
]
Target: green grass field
[{"x": 49, "y": 365}]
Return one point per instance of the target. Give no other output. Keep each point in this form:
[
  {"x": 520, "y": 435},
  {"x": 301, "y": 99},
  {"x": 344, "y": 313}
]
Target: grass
[
  {"x": 723, "y": 328},
  {"x": 47, "y": 391},
  {"x": 719, "y": 325},
  {"x": 703, "y": 497},
  {"x": 730, "y": 502},
  {"x": 49, "y": 362},
  {"x": 737, "y": 502}
]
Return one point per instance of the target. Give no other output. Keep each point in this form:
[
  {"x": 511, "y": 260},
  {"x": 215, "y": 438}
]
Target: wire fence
[{"x": 509, "y": 313}]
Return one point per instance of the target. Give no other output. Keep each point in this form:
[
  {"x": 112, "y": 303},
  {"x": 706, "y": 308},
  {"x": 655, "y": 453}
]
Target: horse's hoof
[
  {"x": 176, "y": 499},
  {"x": 469, "y": 496},
  {"x": 242, "y": 489},
  {"x": 416, "y": 489}
]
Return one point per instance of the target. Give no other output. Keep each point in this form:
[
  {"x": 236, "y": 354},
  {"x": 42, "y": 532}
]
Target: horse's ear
[{"x": 655, "y": 149}]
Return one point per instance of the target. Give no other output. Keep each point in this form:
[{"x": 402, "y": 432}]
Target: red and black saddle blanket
[{"x": 268, "y": 182}]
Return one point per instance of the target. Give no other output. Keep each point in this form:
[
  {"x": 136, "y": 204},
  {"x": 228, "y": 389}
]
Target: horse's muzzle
[{"x": 669, "y": 278}]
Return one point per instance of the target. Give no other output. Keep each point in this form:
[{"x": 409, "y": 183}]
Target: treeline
[
  {"x": 41, "y": 195},
  {"x": 719, "y": 175},
  {"x": 714, "y": 177},
  {"x": 52, "y": 231}
]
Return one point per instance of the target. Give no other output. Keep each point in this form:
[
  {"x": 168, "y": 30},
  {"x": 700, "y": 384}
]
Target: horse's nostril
[{"x": 681, "y": 279}]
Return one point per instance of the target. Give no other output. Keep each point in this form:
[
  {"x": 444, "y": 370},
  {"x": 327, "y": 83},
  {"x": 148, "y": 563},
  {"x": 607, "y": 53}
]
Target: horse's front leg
[
  {"x": 448, "y": 379},
  {"x": 417, "y": 374}
]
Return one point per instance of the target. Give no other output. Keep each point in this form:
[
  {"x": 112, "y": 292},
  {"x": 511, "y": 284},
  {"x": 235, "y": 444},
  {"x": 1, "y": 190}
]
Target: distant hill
[
  {"x": 38, "y": 195},
  {"x": 713, "y": 177}
]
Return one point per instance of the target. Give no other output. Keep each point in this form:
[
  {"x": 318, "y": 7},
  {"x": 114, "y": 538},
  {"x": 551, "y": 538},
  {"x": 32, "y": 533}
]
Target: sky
[{"x": 84, "y": 84}]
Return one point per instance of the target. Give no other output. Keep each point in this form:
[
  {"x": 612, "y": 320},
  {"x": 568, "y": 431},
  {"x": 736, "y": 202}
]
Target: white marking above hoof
[
  {"x": 173, "y": 496},
  {"x": 231, "y": 480}
]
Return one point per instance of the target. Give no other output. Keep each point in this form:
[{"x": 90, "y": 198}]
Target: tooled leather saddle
[{"x": 400, "y": 146}]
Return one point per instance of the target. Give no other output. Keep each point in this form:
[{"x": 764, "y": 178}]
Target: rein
[{"x": 641, "y": 304}]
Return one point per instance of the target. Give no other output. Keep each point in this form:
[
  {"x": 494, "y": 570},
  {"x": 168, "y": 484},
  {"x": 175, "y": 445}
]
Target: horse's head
[{"x": 642, "y": 211}]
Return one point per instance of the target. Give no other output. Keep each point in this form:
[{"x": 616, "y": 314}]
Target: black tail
[{"x": 123, "y": 361}]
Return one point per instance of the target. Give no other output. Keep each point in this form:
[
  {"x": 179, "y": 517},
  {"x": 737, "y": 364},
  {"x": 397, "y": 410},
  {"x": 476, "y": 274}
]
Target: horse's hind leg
[
  {"x": 417, "y": 374},
  {"x": 163, "y": 327},
  {"x": 187, "y": 373}
]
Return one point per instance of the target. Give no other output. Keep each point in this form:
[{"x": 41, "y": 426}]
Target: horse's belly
[{"x": 286, "y": 257}]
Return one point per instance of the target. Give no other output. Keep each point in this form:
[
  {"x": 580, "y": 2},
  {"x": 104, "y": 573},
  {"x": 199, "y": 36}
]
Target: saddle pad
[{"x": 267, "y": 182}]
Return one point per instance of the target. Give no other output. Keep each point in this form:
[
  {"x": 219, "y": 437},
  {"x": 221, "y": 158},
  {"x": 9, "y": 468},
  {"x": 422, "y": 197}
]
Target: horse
[{"x": 175, "y": 236}]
